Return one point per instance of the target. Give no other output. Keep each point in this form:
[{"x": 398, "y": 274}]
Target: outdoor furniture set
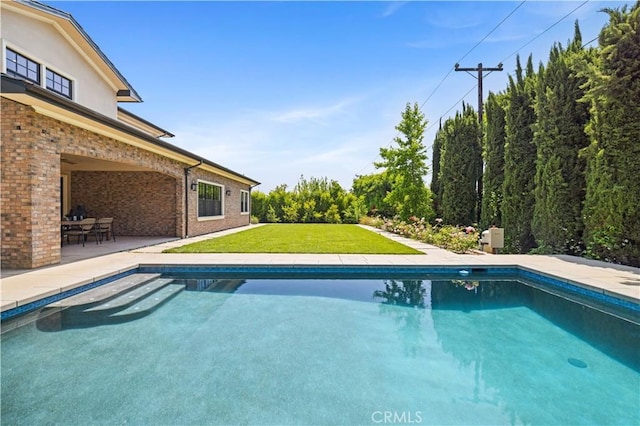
[{"x": 100, "y": 228}]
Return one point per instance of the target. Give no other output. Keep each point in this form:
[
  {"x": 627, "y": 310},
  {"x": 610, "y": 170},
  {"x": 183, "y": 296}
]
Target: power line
[
  {"x": 590, "y": 41},
  {"x": 539, "y": 35},
  {"x": 471, "y": 50},
  {"x": 529, "y": 42},
  {"x": 452, "y": 107},
  {"x": 428, "y": 147},
  {"x": 491, "y": 32},
  {"x": 437, "y": 87},
  {"x": 503, "y": 61}
]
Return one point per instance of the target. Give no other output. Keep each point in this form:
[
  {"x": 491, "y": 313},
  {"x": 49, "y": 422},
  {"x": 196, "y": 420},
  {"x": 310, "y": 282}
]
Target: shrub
[
  {"x": 272, "y": 216},
  {"x": 453, "y": 238},
  {"x": 332, "y": 215},
  {"x": 374, "y": 221}
]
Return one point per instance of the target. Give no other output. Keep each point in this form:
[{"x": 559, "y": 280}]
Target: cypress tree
[
  {"x": 435, "y": 170},
  {"x": 559, "y": 136},
  {"x": 519, "y": 161},
  {"x": 612, "y": 201},
  {"x": 494, "y": 161},
  {"x": 460, "y": 167}
]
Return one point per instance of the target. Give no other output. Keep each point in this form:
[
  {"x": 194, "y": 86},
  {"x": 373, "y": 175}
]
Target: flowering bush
[
  {"x": 453, "y": 238},
  {"x": 374, "y": 221}
]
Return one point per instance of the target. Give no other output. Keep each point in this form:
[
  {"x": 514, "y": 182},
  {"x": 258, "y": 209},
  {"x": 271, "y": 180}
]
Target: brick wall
[
  {"x": 142, "y": 203},
  {"x": 232, "y": 216}
]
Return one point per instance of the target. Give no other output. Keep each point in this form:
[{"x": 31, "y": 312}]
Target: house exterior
[{"x": 66, "y": 141}]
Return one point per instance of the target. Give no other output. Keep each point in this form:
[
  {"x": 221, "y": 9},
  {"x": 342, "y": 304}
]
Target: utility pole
[{"x": 480, "y": 69}]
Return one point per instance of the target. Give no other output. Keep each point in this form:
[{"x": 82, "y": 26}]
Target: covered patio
[{"x": 74, "y": 252}]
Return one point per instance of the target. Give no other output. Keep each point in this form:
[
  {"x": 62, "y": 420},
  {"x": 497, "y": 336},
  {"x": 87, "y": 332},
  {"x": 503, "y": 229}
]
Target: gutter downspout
[
  {"x": 250, "y": 202},
  {"x": 187, "y": 171}
]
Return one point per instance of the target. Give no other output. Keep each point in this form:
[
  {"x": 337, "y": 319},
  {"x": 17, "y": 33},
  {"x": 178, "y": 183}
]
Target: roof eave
[{"x": 10, "y": 85}]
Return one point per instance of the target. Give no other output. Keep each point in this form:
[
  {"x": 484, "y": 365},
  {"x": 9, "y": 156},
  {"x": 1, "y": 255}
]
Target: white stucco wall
[{"x": 44, "y": 43}]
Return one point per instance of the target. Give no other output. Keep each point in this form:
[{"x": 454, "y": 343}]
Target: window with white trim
[
  {"x": 59, "y": 84},
  {"x": 210, "y": 199},
  {"x": 244, "y": 201},
  {"x": 20, "y": 66}
]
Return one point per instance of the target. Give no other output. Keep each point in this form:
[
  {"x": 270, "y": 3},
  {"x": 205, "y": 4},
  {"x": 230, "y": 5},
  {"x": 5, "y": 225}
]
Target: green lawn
[{"x": 300, "y": 238}]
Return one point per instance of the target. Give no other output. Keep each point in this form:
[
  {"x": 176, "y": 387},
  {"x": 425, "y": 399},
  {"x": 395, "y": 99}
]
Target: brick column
[{"x": 30, "y": 190}]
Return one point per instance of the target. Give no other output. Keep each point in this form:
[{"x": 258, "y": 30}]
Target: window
[
  {"x": 244, "y": 201},
  {"x": 59, "y": 84},
  {"x": 209, "y": 199},
  {"x": 21, "y": 66}
]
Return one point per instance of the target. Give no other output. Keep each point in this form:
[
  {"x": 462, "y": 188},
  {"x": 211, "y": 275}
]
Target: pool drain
[{"x": 577, "y": 363}]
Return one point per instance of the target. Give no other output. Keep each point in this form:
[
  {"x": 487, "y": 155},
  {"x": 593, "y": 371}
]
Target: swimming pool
[{"x": 324, "y": 346}]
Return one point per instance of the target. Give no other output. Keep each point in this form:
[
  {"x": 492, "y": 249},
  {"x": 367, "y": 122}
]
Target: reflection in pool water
[{"x": 233, "y": 350}]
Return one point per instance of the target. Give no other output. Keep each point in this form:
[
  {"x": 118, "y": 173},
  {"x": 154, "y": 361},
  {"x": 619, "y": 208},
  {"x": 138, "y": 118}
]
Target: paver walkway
[{"x": 18, "y": 290}]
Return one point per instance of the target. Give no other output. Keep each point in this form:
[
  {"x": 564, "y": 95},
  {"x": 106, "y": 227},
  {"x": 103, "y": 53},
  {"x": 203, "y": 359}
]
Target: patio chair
[
  {"x": 81, "y": 230},
  {"x": 104, "y": 228}
]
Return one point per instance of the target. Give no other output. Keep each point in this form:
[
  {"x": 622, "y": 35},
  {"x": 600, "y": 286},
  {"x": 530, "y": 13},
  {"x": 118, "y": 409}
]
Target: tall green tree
[
  {"x": 519, "y": 161},
  {"x": 406, "y": 166},
  {"x": 559, "y": 136},
  {"x": 612, "y": 202},
  {"x": 373, "y": 190},
  {"x": 460, "y": 165},
  {"x": 493, "y": 154},
  {"x": 436, "y": 189}
]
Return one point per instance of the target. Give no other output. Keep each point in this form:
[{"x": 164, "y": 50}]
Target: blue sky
[{"x": 276, "y": 90}]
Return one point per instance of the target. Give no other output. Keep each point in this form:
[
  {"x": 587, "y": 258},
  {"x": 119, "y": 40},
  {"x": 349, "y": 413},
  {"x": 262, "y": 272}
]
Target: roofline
[
  {"x": 12, "y": 85},
  {"x": 148, "y": 123},
  {"x": 67, "y": 16}
]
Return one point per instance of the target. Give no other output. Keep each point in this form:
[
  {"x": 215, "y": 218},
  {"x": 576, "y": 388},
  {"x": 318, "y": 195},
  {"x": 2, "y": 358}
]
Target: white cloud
[
  {"x": 393, "y": 7},
  {"x": 278, "y": 152},
  {"x": 336, "y": 139},
  {"x": 314, "y": 113}
]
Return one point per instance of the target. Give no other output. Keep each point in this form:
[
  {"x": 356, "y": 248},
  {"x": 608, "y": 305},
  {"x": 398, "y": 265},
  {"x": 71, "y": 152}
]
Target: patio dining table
[{"x": 68, "y": 225}]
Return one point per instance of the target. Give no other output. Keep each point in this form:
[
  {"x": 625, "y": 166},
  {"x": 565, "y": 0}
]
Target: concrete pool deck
[{"x": 620, "y": 281}]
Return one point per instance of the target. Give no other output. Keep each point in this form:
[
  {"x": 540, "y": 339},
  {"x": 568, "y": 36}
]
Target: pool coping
[{"x": 612, "y": 280}]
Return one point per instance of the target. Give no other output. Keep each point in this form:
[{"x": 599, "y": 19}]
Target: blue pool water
[{"x": 236, "y": 350}]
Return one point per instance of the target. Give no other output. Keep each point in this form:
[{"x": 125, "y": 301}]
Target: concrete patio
[
  {"x": 94, "y": 263},
  {"x": 74, "y": 252}
]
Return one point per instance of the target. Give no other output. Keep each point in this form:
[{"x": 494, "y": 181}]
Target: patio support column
[{"x": 30, "y": 189}]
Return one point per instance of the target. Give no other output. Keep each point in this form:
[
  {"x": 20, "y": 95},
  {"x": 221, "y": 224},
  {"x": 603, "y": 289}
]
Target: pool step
[
  {"x": 137, "y": 298},
  {"x": 152, "y": 301},
  {"x": 123, "y": 300},
  {"x": 107, "y": 292}
]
